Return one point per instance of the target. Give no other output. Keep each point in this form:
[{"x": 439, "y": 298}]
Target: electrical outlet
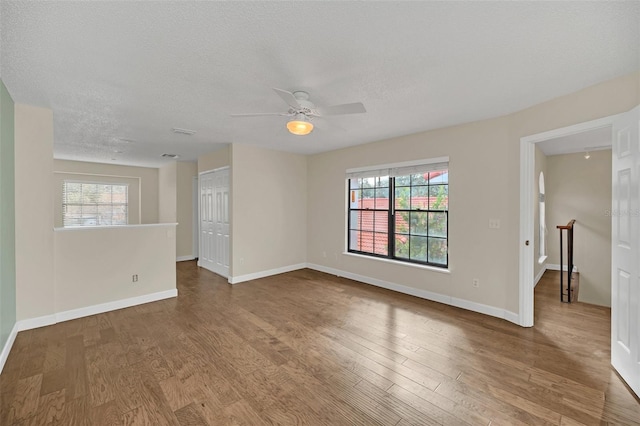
[
  {"x": 476, "y": 282},
  {"x": 134, "y": 278}
]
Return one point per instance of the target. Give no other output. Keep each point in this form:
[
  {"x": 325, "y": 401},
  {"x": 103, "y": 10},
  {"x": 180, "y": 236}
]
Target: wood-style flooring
[{"x": 309, "y": 348}]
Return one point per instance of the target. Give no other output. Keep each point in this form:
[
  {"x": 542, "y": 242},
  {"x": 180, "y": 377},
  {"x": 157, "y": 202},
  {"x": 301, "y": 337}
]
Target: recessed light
[
  {"x": 183, "y": 131},
  {"x": 170, "y": 155}
]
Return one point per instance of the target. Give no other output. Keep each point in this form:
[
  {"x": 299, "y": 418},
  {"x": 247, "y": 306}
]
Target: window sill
[{"x": 398, "y": 262}]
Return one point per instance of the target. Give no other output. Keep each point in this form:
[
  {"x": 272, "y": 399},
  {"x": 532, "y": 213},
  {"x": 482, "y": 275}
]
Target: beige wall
[
  {"x": 167, "y": 197},
  {"x": 34, "y": 211},
  {"x": 88, "y": 274},
  {"x": 581, "y": 189},
  {"x": 268, "y": 209},
  {"x": 146, "y": 188},
  {"x": 540, "y": 167},
  {"x": 184, "y": 186},
  {"x": 214, "y": 160},
  {"x": 484, "y": 183}
]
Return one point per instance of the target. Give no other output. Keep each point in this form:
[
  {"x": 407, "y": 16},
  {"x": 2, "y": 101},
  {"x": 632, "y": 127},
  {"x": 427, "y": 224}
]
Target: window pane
[
  {"x": 441, "y": 176},
  {"x": 418, "y": 248},
  {"x": 381, "y": 243},
  {"x": 419, "y": 223},
  {"x": 419, "y": 179},
  {"x": 419, "y": 198},
  {"x": 104, "y": 214},
  {"x": 402, "y": 222},
  {"x": 402, "y": 198},
  {"x": 439, "y": 197},
  {"x": 354, "y": 240},
  {"x": 402, "y": 246},
  {"x": 381, "y": 222},
  {"x": 354, "y": 222},
  {"x": 403, "y": 180},
  {"x": 366, "y": 242},
  {"x": 438, "y": 251},
  {"x": 383, "y": 182},
  {"x": 438, "y": 225},
  {"x": 366, "y": 220},
  {"x": 382, "y": 198}
]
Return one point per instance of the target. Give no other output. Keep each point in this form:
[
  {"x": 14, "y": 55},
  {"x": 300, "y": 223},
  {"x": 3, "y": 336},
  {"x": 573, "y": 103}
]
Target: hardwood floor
[{"x": 309, "y": 348}]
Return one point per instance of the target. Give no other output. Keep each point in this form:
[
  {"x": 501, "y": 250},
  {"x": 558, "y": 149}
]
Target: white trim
[
  {"x": 32, "y": 323},
  {"x": 184, "y": 258},
  {"x": 556, "y": 267},
  {"x": 539, "y": 276},
  {"x": 212, "y": 170},
  {"x": 399, "y": 262},
  {"x": 423, "y": 294},
  {"x": 86, "y": 228},
  {"x": 268, "y": 273},
  {"x": 8, "y": 345},
  {"x": 542, "y": 259},
  {"x": 527, "y": 164},
  {"x": 401, "y": 164}
]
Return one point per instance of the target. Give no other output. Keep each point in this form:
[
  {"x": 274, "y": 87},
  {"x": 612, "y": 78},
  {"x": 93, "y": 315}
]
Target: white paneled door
[
  {"x": 214, "y": 221},
  {"x": 625, "y": 259}
]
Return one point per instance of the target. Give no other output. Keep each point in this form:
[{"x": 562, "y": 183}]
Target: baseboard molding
[
  {"x": 268, "y": 273},
  {"x": 556, "y": 267},
  {"x": 32, "y": 323},
  {"x": 7, "y": 346},
  {"x": 423, "y": 294},
  {"x": 185, "y": 258},
  {"x": 539, "y": 276}
]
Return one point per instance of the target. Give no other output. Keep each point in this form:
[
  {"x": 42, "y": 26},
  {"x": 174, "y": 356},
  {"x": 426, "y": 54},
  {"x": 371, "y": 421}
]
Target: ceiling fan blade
[
  {"x": 288, "y": 98},
  {"x": 259, "y": 114},
  {"x": 354, "y": 108}
]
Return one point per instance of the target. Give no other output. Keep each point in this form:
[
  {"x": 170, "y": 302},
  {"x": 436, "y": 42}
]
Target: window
[
  {"x": 400, "y": 213},
  {"x": 94, "y": 204}
]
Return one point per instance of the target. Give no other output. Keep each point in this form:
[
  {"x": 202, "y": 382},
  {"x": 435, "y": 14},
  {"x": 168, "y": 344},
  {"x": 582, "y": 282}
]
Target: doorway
[{"x": 214, "y": 221}]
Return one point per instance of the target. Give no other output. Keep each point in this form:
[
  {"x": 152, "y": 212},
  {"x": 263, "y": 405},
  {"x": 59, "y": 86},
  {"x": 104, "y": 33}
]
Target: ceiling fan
[{"x": 302, "y": 111}]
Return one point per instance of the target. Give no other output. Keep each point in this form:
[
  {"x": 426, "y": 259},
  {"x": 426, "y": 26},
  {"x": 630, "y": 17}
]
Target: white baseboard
[
  {"x": 268, "y": 273},
  {"x": 556, "y": 267},
  {"x": 185, "y": 258},
  {"x": 7, "y": 346},
  {"x": 423, "y": 294},
  {"x": 31, "y": 323}
]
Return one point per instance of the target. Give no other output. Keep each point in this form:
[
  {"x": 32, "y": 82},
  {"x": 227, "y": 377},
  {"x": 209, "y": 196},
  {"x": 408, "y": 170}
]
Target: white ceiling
[
  {"x": 133, "y": 70},
  {"x": 591, "y": 140}
]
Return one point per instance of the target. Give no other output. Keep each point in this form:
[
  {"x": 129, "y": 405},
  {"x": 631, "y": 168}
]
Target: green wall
[{"x": 7, "y": 218}]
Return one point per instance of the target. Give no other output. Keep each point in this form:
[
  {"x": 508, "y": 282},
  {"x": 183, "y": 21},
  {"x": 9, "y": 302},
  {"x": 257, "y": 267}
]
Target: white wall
[
  {"x": 143, "y": 185},
  {"x": 214, "y": 160},
  {"x": 581, "y": 189},
  {"x": 484, "y": 183},
  {"x": 268, "y": 210},
  {"x": 34, "y": 211},
  {"x": 94, "y": 266},
  {"x": 167, "y": 197}
]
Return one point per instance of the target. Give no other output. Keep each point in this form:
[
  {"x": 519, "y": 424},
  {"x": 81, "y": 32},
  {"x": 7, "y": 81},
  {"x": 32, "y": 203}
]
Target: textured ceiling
[{"x": 133, "y": 70}]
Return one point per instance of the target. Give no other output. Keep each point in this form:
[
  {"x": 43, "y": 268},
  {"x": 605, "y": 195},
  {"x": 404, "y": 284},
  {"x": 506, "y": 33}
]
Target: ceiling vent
[
  {"x": 183, "y": 131},
  {"x": 170, "y": 155}
]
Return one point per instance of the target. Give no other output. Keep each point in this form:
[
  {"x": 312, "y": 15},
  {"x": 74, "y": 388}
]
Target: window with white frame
[
  {"x": 400, "y": 212},
  {"x": 94, "y": 204}
]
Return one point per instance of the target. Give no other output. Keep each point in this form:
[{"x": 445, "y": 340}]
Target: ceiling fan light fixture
[{"x": 300, "y": 125}]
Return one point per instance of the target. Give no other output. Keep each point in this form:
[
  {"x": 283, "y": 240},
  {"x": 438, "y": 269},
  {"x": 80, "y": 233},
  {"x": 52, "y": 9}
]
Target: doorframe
[
  {"x": 195, "y": 217},
  {"x": 527, "y": 171}
]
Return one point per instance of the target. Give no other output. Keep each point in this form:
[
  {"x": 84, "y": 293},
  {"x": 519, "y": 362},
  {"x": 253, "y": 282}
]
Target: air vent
[
  {"x": 183, "y": 131},
  {"x": 170, "y": 155}
]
